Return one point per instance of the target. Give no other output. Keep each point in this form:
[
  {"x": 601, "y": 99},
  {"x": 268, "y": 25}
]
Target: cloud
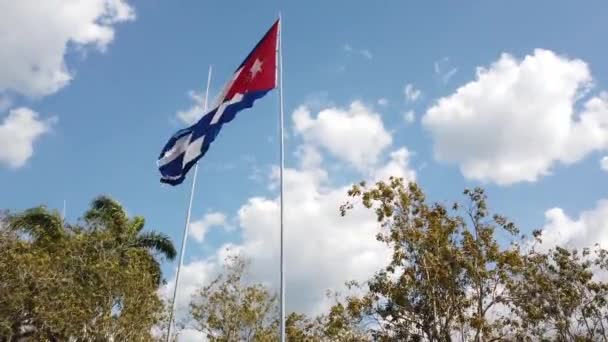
[
  {"x": 193, "y": 275},
  {"x": 256, "y": 174},
  {"x": 383, "y": 102},
  {"x": 355, "y": 134},
  {"x": 35, "y": 36},
  {"x": 18, "y": 133},
  {"x": 589, "y": 228},
  {"x": 411, "y": 93},
  {"x": 198, "y": 229},
  {"x": 318, "y": 100},
  {"x": 443, "y": 70},
  {"x": 183, "y": 335},
  {"x": 365, "y": 53},
  {"x": 446, "y": 77},
  {"x": 191, "y": 335},
  {"x": 437, "y": 64},
  {"x": 195, "y": 112},
  {"x": 398, "y": 166},
  {"x": 323, "y": 249},
  {"x": 604, "y": 163},
  {"x": 309, "y": 157},
  {"x": 519, "y": 118},
  {"x": 409, "y": 116}
]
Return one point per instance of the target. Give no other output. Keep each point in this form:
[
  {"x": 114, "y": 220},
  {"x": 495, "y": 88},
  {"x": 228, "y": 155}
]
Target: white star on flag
[{"x": 255, "y": 68}]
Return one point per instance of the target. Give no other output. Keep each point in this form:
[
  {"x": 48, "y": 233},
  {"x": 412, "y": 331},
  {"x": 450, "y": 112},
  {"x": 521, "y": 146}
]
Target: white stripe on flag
[
  {"x": 227, "y": 87},
  {"x": 218, "y": 115},
  {"x": 194, "y": 150},
  {"x": 180, "y": 147}
]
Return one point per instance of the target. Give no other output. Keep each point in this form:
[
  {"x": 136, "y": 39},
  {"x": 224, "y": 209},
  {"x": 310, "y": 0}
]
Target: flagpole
[
  {"x": 282, "y": 160},
  {"x": 185, "y": 237},
  {"x": 63, "y": 212}
]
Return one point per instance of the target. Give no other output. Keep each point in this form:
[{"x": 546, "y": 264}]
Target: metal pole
[
  {"x": 282, "y": 158},
  {"x": 185, "y": 237}
]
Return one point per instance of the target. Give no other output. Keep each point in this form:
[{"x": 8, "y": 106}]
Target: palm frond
[
  {"x": 107, "y": 213},
  {"x": 40, "y": 223},
  {"x": 136, "y": 225},
  {"x": 157, "y": 242}
]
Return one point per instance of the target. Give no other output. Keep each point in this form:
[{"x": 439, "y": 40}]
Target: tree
[
  {"x": 229, "y": 310},
  {"x": 449, "y": 277},
  {"x": 558, "y": 297},
  {"x": 335, "y": 326},
  {"x": 447, "y": 271},
  {"x": 77, "y": 282},
  {"x": 108, "y": 215}
]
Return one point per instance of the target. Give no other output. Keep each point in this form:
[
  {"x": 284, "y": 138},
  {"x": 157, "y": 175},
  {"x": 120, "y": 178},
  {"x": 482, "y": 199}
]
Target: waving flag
[{"x": 255, "y": 77}]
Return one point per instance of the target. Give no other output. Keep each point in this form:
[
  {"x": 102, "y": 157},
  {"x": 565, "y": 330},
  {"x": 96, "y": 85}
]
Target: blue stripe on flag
[{"x": 175, "y": 171}]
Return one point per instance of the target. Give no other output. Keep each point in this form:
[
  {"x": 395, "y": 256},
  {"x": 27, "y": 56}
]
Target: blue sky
[{"x": 104, "y": 128}]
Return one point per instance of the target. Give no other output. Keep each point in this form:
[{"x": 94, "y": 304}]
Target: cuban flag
[{"x": 255, "y": 77}]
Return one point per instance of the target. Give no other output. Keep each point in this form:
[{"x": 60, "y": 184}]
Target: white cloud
[
  {"x": 367, "y": 54},
  {"x": 193, "y": 275},
  {"x": 199, "y": 228},
  {"x": 18, "y": 133},
  {"x": 409, "y": 116},
  {"x": 604, "y": 163},
  {"x": 355, "y": 134},
  {"x": 411, "y": 93},
  {"x": 35, "y": 35},
  {"x": 195, "y": 112},
  {"x": 443, "y": 70},
  {"x": 323, "y": 249},
  {"x": 519, "y": 118},
  {"x": 589, "y": 228},
  {"x": 318, "y": 100},
  {"x": 437, "y": 64},
  {"x": 397, "y": 166},
  {"x": 191, "y": 335},
  {"x": 183, "y": 335},
  {"x": 256, "y": 173},
  {"x": 448, "y": 75},
  {"x": 383, "y": 102},
  {"x": 309, "y": 157}
]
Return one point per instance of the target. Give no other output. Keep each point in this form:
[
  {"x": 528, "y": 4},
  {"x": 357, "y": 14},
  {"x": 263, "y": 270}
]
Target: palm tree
[
  {"x": 43, "y": 230},
  {"x": 108, "y": 215},
  {"x": 62, "y": 262},
  {"x": 105, "y": 215},
  {"x": 43, "y": 226}
]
